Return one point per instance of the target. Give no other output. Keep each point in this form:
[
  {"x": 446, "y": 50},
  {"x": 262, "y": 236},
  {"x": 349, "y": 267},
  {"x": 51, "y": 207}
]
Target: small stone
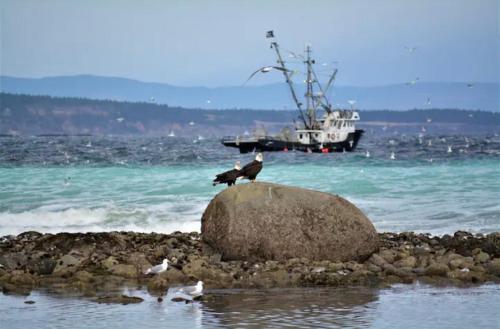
[
  {"x": 481, "y": 257},
  {"x": 29, "y": 302},
  {"x": 494, "y": 267},
  {"x": 109, "y": 262},
  {"x": 123, "y": 299},
  {"x": 388, "y": 255},
  {"x": 406, "y": 262},
  {"x": 437, "y": 269},
  {"x": 124, "y": 270}
]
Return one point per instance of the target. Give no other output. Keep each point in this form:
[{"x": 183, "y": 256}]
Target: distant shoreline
[{"x": 26, "y": 115}]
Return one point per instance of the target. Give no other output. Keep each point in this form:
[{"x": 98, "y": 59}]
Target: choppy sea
[{"x": 435, "y": 184}]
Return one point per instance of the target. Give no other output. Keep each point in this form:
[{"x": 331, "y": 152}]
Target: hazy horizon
[{"x": 196, "y": 43}]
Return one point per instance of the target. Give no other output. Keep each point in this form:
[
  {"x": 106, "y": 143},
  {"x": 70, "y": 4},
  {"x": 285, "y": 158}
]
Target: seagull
[
  {"x": 266, "y": 69},
  {"x": 67, "y": 181},
  {"x": 367, "y": 154},
  {"x": 428, "y": 101},
  {"x": 191, "y": 123},
  {"x": 158, "y": 268},
  {"x": 89, "y": 144},
  {"x": 208, "y": 101},
  {"x": 393, "y": 156},
  {"x": 449, "y": 149},
  {"x": 429, "y": 143},
  {"x": 411, "y": 49},
  {"x": 193, "y": 291},
  {"x": 429, "y": 120},
  {"x": 412, "y": 82},
  {"x": 470, "y": 85},
  {"x": 120, "y": 119},
  {"x": 152, "y": 99}
]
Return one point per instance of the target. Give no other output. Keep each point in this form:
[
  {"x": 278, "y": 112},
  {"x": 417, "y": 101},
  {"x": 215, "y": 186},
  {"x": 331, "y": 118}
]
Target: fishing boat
[{"x": 321, "y": 128}]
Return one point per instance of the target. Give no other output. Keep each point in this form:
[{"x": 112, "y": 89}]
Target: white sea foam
[{"x": 161, "y": 219}]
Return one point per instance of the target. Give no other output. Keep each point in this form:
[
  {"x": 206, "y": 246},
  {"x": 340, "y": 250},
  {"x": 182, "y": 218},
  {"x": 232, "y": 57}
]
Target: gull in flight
[
  {"x": 158, "y": 268},
  {"x": 120, "y": 119},
  {"x": 411, "y": 49},
  {"x": 267, "y": 69},
  {"x": 393, "y": 156},
  {"x": 412, "y": 82}
]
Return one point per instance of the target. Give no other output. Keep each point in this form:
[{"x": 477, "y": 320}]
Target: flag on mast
[{"x": 270, "y": 34}]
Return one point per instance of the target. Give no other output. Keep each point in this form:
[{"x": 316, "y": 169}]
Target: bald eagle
[
  {"x": 228, "y": 177},
  {"x": 252, "y": 169}
]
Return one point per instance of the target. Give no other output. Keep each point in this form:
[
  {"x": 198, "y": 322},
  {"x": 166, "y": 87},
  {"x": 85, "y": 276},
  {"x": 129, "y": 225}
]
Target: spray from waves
[{"x": 166, "y": 218}]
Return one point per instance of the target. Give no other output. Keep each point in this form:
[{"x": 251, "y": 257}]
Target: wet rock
[
  {"x": 125, "y": 270},
  {"x": 123, "y": 299},
  {"x": 29, "y": 302},
  {"x": 437, "y": 269},
  {"x": 388, "y": 255},
  {"x": 494, "y": 267},
  {"x": 14, "y": 260},
  {"x": 157, "y": 285},
  {"x": 109, "y": 262},
  {"x": 174, "y": 276},
  {"x": 481, "y": 257},
  {"x": 270, "y": 221},
  {"x": 406, "y": 262},
  {"x": 67, "y": 263},
  {"x": 42, "y": 266}
]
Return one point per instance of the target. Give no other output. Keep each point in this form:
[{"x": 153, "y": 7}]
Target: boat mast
[
  {"x": 309, "y": 92},
  {"x": 285, "y": 71}
]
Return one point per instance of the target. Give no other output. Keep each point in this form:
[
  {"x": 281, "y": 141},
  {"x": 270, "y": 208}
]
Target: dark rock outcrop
[
  {"x": 402, "y": 258},
  {"x": 275, "y": 222}
]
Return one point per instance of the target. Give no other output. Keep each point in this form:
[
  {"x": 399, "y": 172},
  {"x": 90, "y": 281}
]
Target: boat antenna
[
  {"x": 309, "y": 91},
  {"x": 285, "y": 71}
]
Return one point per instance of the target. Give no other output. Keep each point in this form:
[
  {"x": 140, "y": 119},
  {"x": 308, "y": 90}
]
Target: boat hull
[{"x": 269, "y": 144}]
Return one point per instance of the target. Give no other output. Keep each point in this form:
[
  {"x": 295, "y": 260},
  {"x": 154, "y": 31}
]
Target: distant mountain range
[{"x": 422, "y": 95}]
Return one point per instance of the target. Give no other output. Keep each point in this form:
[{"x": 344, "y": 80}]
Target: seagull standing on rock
[{"x": 158, "y": 268}]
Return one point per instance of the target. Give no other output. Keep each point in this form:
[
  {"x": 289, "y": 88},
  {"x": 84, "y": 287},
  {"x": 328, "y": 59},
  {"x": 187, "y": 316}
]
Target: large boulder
[{"x": 269, "y": 221}]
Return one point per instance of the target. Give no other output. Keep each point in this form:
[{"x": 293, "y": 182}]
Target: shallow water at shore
[{"x": 402, "y": 306}]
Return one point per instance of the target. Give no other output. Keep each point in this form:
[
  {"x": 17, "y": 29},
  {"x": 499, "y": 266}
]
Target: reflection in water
[
  {"x": 403, "y": 306},
  {"x": 346, "y": 308}
]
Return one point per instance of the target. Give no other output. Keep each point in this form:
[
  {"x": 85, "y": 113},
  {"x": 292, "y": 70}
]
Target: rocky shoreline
[{"x": 92, "y": 264}]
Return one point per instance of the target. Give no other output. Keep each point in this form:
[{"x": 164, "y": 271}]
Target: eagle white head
[
  {"x": 237, "y": 165},
  {"x": 259, "y": 157}
]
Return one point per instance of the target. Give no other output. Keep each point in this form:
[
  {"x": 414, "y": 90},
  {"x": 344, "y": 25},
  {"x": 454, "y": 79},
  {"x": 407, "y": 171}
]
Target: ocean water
[
  {"x": 401, "y": 306},
  {"x": 75, "y": 184}
]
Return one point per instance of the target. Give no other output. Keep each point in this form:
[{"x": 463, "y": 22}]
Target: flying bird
[
  {"x": 228, "y": 177},
  {"x": 252, "y": 169},
  {"x": 158, "y": 268},
  {"x": 411, "y": 49},
  {"x": 266, "y": 69},
  {"x": 412, "y": 82}
]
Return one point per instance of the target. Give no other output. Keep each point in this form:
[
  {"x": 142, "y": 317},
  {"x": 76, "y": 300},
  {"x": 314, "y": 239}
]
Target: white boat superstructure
[{"x": 335, "y": 127}]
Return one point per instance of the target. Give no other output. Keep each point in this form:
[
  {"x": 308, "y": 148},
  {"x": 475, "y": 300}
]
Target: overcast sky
[{"x": 219, "y": 43}]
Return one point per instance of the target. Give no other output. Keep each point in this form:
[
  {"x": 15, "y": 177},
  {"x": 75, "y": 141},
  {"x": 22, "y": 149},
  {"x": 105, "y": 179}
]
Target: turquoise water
[
  {"x": 402, "y": 306},
  {"x": 93, "y": 184}
]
